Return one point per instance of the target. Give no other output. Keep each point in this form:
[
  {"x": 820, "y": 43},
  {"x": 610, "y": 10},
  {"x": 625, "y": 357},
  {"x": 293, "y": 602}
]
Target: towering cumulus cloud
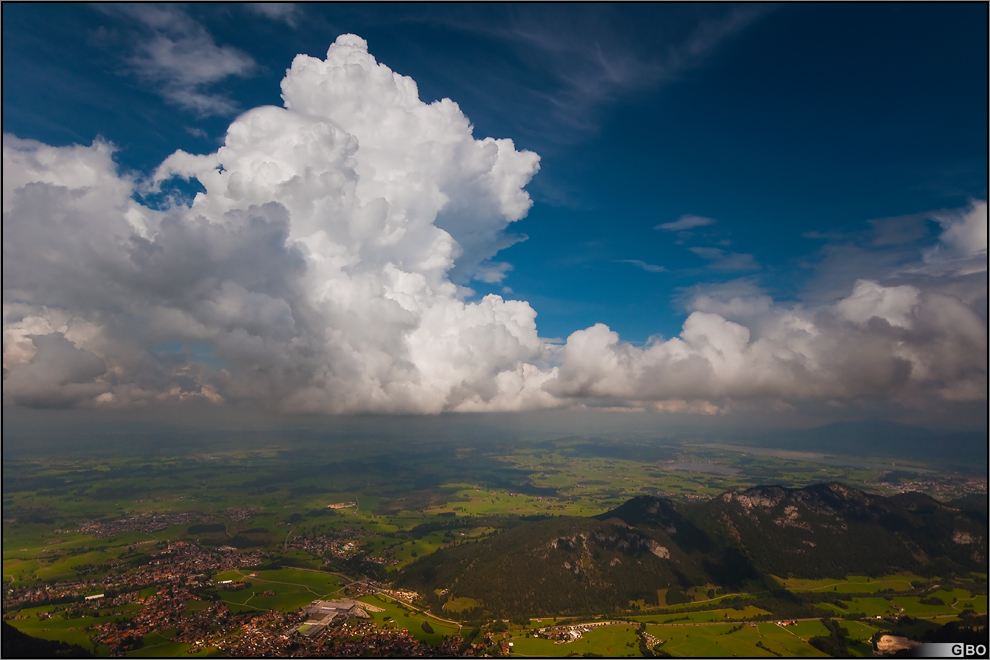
[
  {"x": 323, "y": 270},
  {"x": 317, "y": 272}
]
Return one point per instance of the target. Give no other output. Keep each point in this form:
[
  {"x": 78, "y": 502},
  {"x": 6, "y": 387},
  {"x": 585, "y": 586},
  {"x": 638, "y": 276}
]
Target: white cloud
[
  {"x": 925, "y": 346},
  {"x": 962, "y": 246},
  {"x": 686, "y": 222},
  {"x": 895, "y": 305},
  {"x": 649, "y": 268},
  {"x": 317, "y": 265},
  {"x": 320, "y": 269},
  {"x": 180, "y": 58},
  {"x": 594, "y": 57},
  {"x": 724, "y": 260},
  {"x": 492, "y": 272},
  {"x": 287, "y": 12}
]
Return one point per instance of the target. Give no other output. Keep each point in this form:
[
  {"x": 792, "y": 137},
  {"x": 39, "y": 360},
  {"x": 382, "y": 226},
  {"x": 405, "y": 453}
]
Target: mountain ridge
[{"x": 653, "y": 550}]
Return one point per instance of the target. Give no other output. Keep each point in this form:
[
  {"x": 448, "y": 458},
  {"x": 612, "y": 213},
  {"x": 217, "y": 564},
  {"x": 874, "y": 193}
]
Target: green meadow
[
  {"x": 619, "y": 641},
  {"x": 719, "y": 641},
  {"x": 272, "y": 495},
  {"x": 709, "y": 616},
  {"x": 396, "y": 615},
  {"x": 158, "y": 646},
  {"x": 857, "y": 584},
  {"x": 293, "y": 589},
  {"x": 72, "y": 631}
]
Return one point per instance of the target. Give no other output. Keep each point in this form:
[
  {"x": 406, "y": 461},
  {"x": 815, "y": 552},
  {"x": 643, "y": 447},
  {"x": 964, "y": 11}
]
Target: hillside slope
[{"x": 653, "y": 549}]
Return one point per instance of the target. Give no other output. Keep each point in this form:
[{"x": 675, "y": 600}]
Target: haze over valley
[{"x": 494, "y": 330}]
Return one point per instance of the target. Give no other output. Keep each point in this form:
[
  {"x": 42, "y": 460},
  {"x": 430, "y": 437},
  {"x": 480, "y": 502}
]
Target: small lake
[{"x": 711, "y": 468}]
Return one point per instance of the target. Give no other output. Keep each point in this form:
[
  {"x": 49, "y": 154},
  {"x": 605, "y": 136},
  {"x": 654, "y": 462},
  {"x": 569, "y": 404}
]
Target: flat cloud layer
[{"x": 322, "y": 270}]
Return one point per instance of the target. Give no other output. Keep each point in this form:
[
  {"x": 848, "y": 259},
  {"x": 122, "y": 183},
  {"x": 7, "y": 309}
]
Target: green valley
[{"x": 469, "y": 548}]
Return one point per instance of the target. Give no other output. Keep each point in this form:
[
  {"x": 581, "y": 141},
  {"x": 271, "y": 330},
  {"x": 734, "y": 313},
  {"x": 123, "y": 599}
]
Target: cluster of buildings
[
  {"x": 570, "y": 633},
  {"x": 940, "y": 487},
  {"x": 651, "y": 641},
  {"x": 240, "y": 513},
  {"x": 343, "y": 543},
  {"x": 345, "y": 631},
  {"x": 145, "y": 522},
  {"x": 398, "y": 594},
  {"x": 246, "y": 635},
  {"x": 264, "y": 634},
  {"x": 488, "y": 643},
  {"x": 356, "y": 638},
  {"x": 184, "y": 602},
  {"x": 179, "y": 563},
  {"x": 164, "y": 610},
  {"x": 44, "y": 594},
  {"x": 163, "y": 499}
]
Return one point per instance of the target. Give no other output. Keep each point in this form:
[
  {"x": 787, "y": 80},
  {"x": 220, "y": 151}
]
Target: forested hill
[
  {"x": 655, "y": 549},
  {"x": 827, "y": 530}
]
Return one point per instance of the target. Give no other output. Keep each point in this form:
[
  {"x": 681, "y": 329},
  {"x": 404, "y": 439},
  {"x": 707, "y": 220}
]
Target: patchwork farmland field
[{"x": 296, "y": 530}]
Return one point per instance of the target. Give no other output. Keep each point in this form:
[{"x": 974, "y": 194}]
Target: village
[
  {"x": 174, "y": 591},
  {"x": 569, "y": 633},
  {"x": 179, "y": 563}
]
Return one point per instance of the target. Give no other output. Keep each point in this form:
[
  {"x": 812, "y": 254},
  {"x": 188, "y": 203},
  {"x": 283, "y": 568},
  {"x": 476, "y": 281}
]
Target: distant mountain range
[
  {"x": 655, "y": 550},
  {"x": 965, "y": 450}
]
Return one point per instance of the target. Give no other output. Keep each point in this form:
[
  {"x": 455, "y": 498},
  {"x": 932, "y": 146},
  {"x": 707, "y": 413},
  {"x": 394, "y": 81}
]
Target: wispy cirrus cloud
[
  {"x": 725, "y": 260},
  {"x": 577, "y": 60},
  {"x": 595, "y": 59},
  {"x": 649, "y": 268},
  {"x": 287, "y": 12},
  {"x": 686, "y": 222},
  {"x": 180, "y": 59}
]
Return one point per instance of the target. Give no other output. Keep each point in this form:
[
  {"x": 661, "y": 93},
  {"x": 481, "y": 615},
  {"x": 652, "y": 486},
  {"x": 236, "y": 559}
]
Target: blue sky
[{"x": 687, "y": 152}]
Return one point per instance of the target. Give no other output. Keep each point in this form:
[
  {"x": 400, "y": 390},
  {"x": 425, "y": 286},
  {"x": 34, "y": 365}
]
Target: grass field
[
  {"x": 166, "y": 649},
  {"x": 870, "y": 606},
  {"x": 710, "y": 616},
  {"x": 860, "y": 633},
  {"x": 717, "y": 641},
  {"x": 712, "y": 602},
  {"x": 71, "y": 631},
  {"x": 854, "y": 584},
  {"x": 293, "y": 588},
  {"x": 397, "y": 616},
  {"x": 609, "y": 641},
  {"x": 808, "y": 629}
]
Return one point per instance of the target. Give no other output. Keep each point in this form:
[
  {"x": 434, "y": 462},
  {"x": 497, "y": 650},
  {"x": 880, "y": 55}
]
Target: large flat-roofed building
[{"x": 322, "y": 611}]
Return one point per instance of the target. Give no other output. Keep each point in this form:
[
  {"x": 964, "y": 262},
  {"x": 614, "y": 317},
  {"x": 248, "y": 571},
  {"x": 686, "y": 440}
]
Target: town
[{"x": 174, "y": 590}]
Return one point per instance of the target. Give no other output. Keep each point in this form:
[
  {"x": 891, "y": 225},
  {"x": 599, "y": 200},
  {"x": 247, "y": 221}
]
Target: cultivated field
[{"x": 319, "y": 520}]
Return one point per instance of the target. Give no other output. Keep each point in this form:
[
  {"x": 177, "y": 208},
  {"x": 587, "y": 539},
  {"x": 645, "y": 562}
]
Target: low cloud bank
[{"x": 324, "y": 269}]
